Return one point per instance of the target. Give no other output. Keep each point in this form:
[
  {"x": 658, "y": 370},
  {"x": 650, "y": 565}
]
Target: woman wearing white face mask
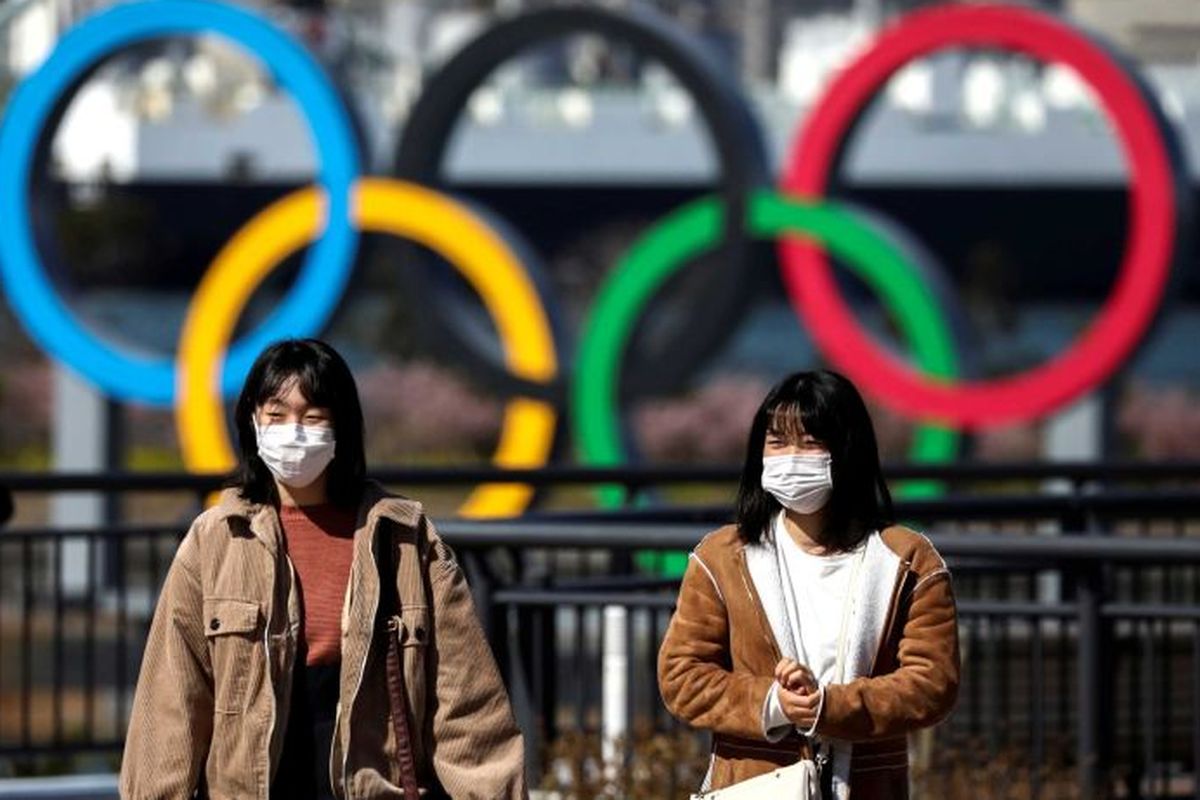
[
  {"x": 814, "y": 634},
  {"x": 315, "y": 638}
]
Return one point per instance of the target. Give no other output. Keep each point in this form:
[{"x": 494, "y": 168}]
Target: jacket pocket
[{"x": 231, "y": 627}]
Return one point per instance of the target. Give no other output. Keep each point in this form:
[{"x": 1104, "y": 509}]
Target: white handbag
[{"x": 800, "y": 781}]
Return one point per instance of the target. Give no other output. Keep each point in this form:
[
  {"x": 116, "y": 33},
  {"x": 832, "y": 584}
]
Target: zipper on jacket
[
  {"x": 267, "y": 641},
  {"x": 271, "y": 691},
  {"x": 361, "y": 670},
  {"x": 337, "y": 719},
  {"x": 270, "y": 680},
  {"x": 337, "y": 716}
]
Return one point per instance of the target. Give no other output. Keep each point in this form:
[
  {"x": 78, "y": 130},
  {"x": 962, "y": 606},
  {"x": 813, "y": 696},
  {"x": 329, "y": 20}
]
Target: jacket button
[{"x": 215, "y": 624}]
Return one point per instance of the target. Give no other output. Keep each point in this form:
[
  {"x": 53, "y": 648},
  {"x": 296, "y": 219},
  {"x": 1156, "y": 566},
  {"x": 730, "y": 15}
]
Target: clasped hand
[{"x": 799, "y": 694}]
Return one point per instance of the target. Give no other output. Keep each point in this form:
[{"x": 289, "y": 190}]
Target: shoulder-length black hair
[
  {"x": 826, "y": 406},
  {"x": 326, "y": 381}
]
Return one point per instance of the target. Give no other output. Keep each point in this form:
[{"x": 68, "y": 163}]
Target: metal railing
[
  {"x": 1075, "y": 652},
  {"x": 1081, "y": 637},
  {"x": 1083, "y": 496},
  {"x": 633, "y": 476}
]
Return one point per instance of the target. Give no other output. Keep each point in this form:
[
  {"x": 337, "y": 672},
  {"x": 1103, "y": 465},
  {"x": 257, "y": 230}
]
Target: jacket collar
[
  {"x": 263, "y": 519},
  {"x": 872, "y": 600}
]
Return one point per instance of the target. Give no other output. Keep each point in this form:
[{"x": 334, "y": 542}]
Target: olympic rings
[
  {"x": 736, "y": 137},
  {"x": 400, "y": 209},
  {"x": 1156, "y": 164},
  {"x": 695, "y": 228},
  {"x": 343, "y": 202},
  {"x": 43, "y": 96}
]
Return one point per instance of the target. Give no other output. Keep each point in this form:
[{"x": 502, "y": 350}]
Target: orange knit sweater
[{"x": 320, "y": 542}]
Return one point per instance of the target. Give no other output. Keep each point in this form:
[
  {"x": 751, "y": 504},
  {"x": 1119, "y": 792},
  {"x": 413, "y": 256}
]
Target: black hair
[
  {"x": 326, "y": 381},
  {"x": 826, "y": 406}
]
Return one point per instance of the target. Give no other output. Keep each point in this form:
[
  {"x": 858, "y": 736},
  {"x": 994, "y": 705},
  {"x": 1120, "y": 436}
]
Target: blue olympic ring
[{"x": 323, "y": 277}]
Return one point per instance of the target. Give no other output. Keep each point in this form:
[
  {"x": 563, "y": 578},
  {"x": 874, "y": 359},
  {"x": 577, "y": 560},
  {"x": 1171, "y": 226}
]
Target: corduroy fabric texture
[{"x": 211, "y": 704}]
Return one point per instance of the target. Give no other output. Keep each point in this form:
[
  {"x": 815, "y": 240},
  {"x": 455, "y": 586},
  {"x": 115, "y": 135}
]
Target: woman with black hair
[
  {"x": 315, "y": 638},
  {"x": 813, "y": 628}
]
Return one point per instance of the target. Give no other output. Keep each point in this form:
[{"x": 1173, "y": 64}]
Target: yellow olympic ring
[{"x": 379, "y": 205}]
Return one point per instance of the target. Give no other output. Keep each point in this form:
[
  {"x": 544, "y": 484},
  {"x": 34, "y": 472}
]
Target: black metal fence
[{"x": 1079, "y": 597}]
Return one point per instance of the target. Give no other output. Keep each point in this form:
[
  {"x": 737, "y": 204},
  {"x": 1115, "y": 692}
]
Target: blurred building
[
  {"x": 1004, "y": 169},
  {"x": 1157, "y": 31},
  {"x": 202, "y": 110}
]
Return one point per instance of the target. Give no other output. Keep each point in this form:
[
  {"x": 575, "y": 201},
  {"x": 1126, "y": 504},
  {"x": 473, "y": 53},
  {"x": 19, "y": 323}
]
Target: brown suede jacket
[
  {"x": 211, "y": 706},
  {"x": 717, "y": 663}
]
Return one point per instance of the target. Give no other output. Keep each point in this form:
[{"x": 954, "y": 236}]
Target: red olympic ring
[{"x": 1145, "y": 265}]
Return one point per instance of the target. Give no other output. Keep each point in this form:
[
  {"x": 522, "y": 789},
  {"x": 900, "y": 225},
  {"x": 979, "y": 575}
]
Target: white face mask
[
  {"x": 295, "y": 454},
  {"x": 799, "y": 482}
]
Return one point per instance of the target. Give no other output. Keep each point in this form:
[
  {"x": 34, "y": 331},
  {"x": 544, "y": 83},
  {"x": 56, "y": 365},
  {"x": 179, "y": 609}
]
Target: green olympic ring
[{"x": 696, "y": 228}]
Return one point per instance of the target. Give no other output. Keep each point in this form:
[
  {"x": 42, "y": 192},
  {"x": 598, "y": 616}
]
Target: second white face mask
[
  {"x": 295, "y": 454},
  {"x": 800, "y": 482}
]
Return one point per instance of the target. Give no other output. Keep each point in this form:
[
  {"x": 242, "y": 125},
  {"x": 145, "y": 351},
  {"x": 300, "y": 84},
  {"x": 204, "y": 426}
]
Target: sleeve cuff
[
  {"x": 820, "y": 708},
  {"x": 775, "y": 723}
]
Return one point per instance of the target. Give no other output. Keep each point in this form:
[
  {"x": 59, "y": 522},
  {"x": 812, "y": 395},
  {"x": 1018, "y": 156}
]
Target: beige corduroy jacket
[
  {"x": 717, "y": 662},
  {"x": 211, "y": 706}
]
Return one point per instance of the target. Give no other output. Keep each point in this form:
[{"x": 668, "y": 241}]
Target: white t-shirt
[{"x": 815, "y": 590}]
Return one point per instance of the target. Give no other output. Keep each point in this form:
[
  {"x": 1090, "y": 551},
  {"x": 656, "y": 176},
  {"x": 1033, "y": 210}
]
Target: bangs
[
  {"x": 785, "y": 419},
  {"x": 790, "y": 419},
  {"x": 312, "y": 381}
]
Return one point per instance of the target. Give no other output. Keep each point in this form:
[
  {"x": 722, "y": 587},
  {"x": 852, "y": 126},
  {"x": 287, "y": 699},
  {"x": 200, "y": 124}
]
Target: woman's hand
[
  {"x": 799, "y": 694},
  {"x": 795, "y": 677},
  {"x": 800, "y": 707}
]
